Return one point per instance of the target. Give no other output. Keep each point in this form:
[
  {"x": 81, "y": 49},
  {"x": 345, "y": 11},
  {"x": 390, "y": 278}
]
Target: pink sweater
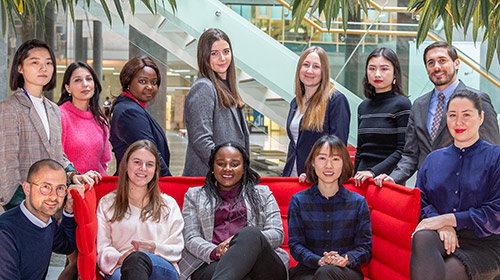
[{"x": 84, "y": 142}]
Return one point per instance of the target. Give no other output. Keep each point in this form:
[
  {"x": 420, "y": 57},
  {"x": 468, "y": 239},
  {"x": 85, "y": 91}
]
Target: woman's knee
[
  {"x": 327, "y": 272},
  {"x": 137, "y": 258},
  {"x": 424, "y": 238}
]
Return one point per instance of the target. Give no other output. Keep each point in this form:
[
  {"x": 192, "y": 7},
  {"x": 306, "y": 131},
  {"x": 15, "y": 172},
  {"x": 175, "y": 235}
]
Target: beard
[{"x": 445, "y": 79}]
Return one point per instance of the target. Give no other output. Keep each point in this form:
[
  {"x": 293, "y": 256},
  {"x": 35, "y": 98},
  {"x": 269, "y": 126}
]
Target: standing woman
[
  {"x": 84, "y": 128},
  {"x": 233, "y": 226},
  {"x": 139, "y": 231},
  {"x": 317, "y": 110},
  {"x": 30, "y": 124},
  {"x": 213, "y": 107},
  {"x": 382, "y": 117},
  {"x": 140, "y": 79},
  {"x": 329, "y": 229},
  {"x": 459, "y": 234}
]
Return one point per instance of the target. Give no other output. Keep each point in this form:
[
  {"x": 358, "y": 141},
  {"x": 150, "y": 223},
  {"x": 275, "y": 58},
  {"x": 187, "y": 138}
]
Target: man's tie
[{"x": 437, "y": 116}]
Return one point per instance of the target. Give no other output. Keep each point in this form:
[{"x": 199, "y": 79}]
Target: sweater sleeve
[
  {"x": 170, "y": 248},
  {"x": 106, "y": 153},
  {"x": 401, "y": 118},
  {"x": 362, "y": 239},
  {"x": 273, "y": 226},
  {"x": 9, "y": 256},
  {"x": 107, "y": 255},
  {"x": 64, "y": 237},
  {"x": 339, "y": 116}
]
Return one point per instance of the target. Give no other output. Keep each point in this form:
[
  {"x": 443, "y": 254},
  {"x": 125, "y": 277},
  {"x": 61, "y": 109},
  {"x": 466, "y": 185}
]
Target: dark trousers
[
  {"x": 249, "y": 256},
  {"x": 326, "y": 272}
]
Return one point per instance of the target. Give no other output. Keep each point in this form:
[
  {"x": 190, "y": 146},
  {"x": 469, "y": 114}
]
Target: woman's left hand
[
  {"x": 361, "y": 177},
  {"x": 91, "y": 177},
  {"x": 436, "y": 222},
  {"x": 449, "y": 237},
  {"x": 143, "y": 245}
]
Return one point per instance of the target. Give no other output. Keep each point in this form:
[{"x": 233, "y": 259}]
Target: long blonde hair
[{"x": 314, "y": 116}]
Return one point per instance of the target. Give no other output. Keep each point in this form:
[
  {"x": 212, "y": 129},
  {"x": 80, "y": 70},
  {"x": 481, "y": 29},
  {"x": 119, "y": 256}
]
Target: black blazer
[
  {"x": 129, "y": 123},
  {"x": 337, "y": 119}
]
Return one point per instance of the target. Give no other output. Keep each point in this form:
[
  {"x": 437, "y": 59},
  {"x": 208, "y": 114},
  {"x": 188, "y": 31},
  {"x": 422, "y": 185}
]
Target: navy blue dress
[{"x": 466, "y": 182}]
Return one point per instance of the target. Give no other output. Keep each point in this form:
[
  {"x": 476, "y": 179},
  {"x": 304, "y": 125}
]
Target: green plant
[
  {"x": 459, "y": 14},
  {"x": 29, "y": 8}
]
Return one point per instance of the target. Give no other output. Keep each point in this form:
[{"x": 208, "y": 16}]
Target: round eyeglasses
[{"x": 46, "y": 189}]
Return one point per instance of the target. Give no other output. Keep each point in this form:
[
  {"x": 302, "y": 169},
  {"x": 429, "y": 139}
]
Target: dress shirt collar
[
  {"x": 33, "y": 219},
  {"x": 342, "y": 192},
  {"x": 447, "y": 91}
]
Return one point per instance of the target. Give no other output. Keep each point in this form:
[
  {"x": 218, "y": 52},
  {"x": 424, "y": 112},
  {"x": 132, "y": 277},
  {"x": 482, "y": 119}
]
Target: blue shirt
[
  {"x": 434, "y": 102},
  {"x": 317, "y": 224},
  {"x": 465, "y": 182}
]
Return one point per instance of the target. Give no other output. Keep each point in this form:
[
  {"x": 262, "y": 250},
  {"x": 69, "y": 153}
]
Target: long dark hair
[
  {"x": 228, "y": 96},
  {"x": 95, "y": 109},
  {"x": 389, "y": 54},
  {"x": 156, "y": 206},
  {"x": 248, "y": 181},
  {"x": 16, "y": 78}
]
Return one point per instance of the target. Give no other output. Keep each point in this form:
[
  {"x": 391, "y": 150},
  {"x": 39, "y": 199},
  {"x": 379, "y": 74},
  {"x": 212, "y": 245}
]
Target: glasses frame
[{"x": 47, "y": 191}]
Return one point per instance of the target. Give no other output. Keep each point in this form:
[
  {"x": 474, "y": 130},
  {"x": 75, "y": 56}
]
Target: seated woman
[
  {"x": 459, "y": 235},
  {"x": 329, "y": 229},
  {"x": 139, "y": 232},
  {"x": 233, "y": 226}
]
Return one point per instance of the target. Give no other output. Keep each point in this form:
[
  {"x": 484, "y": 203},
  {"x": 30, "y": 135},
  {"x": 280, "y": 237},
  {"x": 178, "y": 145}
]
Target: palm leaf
[
  {"x": 468, "y": 11},
  {"x": 118, "y": 6},
  {"x": 106, "y": 10},
  {"x": 132, "y": 6}
]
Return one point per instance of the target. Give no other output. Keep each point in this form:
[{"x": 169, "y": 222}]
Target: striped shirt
[
  {"x": 317, "y": 224},
  {"x": 382, "y": 122}
]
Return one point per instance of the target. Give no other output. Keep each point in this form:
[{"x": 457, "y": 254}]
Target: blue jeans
[{"x": 161, "y": 269}]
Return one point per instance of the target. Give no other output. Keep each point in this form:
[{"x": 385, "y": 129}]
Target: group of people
[{"x": 230, "y": 228}]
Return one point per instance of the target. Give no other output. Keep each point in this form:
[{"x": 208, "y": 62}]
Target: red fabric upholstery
[
  {"x": 85, "y": 217},
  {"x": 394, "y": 211}
]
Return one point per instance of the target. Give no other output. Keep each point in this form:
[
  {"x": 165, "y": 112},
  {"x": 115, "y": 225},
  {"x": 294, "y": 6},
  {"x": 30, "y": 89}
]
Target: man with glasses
[{"x": 29, "y": 233}]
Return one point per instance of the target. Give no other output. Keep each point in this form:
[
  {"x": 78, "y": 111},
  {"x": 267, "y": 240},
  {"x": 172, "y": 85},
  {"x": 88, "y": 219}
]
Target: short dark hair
[
  {"x": 390, "y": 55},
  {"x": 16, "y": 78},
  {"x": 94, "y": 101},
  {"x": 336, "y": 145},
  {"x": 452, "y": 52},
  {"x": 467, "y": 94},
  {"x": 35, "y": 167},
  {"x": 133, "y": 66}
]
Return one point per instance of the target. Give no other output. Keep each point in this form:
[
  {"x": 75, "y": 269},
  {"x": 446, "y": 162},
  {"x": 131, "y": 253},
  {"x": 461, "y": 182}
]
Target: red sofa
[{"x": 394, "y": 211}]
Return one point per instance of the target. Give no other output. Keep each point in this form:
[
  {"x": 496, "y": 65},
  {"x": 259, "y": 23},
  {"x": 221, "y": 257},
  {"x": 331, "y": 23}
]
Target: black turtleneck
[{"x": 382, "y": 122}]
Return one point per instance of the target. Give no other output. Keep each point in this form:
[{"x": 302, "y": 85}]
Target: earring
[
  {"x": 394, "y": 82},
  {"x": 70, "y": 94}
]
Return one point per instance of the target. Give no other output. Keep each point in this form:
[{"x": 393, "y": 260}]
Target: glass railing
[{"x": 393, "y": 28}]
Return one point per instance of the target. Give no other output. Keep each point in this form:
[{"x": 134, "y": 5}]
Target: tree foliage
[
  {"x": 459, "y": 14},
  {"x": 28, "y": 8}
]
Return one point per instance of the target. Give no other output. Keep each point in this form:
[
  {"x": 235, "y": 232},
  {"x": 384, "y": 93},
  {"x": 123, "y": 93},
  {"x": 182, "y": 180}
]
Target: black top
[{"x": 382, "y": 122}]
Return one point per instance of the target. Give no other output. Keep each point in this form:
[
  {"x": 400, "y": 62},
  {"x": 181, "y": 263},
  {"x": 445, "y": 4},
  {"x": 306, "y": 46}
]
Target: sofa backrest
[{"x": 395, "y": 212}]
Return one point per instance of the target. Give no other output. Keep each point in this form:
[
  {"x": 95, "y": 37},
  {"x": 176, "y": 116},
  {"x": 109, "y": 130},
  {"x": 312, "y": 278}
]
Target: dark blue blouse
[{"x": 465, "y": 182}]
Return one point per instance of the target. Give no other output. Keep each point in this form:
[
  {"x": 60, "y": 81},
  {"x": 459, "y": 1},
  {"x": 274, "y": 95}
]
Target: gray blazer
[
  {"x": 418, "y": 143},
  {"x": 208, "y": 125},
  {"x": 23, "y": 140},
  {"x": 199, "y": 228}
]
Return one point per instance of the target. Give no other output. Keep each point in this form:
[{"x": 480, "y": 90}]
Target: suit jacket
[
  {"x": 129, "y": 123},
  {"x": 337, "y": 119},
  {"x": 208, "y": 125},
  {"x": 418, "y": 143},
  {"x": 198, "y": 230},
  {"x": 23, "y": 140}
]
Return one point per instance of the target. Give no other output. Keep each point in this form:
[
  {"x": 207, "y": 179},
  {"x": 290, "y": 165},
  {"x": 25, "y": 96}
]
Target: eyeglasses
[{"x": 46, "y": 189}]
